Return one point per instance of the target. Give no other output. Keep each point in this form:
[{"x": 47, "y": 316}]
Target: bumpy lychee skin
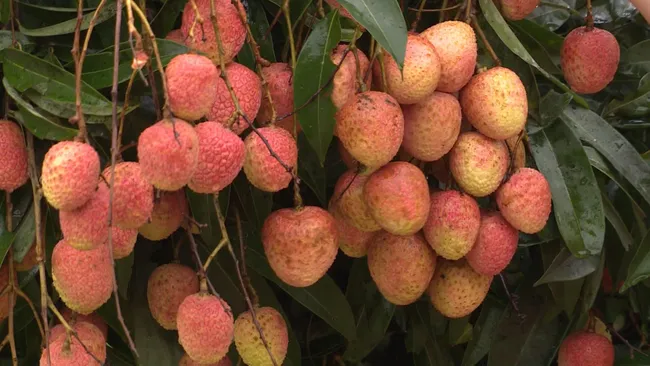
[
  {"x": 70, "y": 174},
  {"x": 248, "y": 89},
  {"x": 166, "y": 217},
  {"x": 348, "y": 194},
  {"x": 192, "y": 84},
  {"x": 231, "y": 29},
  {"x": 453, "y": 223},
  {"x": 123, "y": 241},
  {"x": 345, "y": 83},
  {"x": 262, "y": 169},
  {"x": 176, "y": 35},
  {"x": 221, "y": 157},
  {"x": 517, "y": 150},
  {"x": 589, "y": 59},
  {"x": 168, "y": 154},
  {"x": 456, "y": 290},
  {"x": 583, "y": 347},
  {"x": 401, "y": 266},
  {"x": 352, "y": 241},
  {"x": 83, "y": 278},
  {"x": 495, "y": 245},
  {"x": 13, "y": 160},
  {"x": 28, "y": 262},
  {"x": 87, "y": 226},
  {"x": 495, "y": 103},
  {"x": 187, "y": 361},
  {"x": 89, "y": 334},
  {"x": 279, "y": 79},
  {"x": 74, "y": 353},
  {"x": 132, "y": 195},
  {"x": 249, "y": 343},
  {"x": 167, "y": 287},
  {"x": 420, "y": 75},
  {"x": 525, "y": 200},
  {"x": 455, "y": 44},
  {"x": 517, "y": 9},
  {"x": 205, "y": 327},
  {"x": 431, "y": 126},
  {"x": 478, "y": 163},
  {"x": 371, "y": 127},
  {"x": 300, "y": 244},
  {"x": 92, "y": 318},
  {"x": 397, "y": 196}
]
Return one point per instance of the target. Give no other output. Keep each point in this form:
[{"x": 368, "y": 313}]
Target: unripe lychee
[
  {"x": 279, "y": 81},
  {"x": 167, "y": 215},
  {"x": 83, "y": 278},
  {"x": 13, "y": 160},
  {"x": 248, "y": 89},
  {"x": 71, "y": 352},
  {"x": 371, "y": 127},
  {"x": 28, "y": 262},
  {"x": 187, "y": 361},
  {"x": 231, "y": 29},
  {"x": 176, "y": 35},
  {"x": 348, "y": 195},
  {"x": 401, "y": 266},
  {"x": 92, "y": 318},
  {"x": 453, "y": 223},
  {"x": 495, "y": 103},
  {"x": 221, "y": 157},
  {"x": 517, "y": 9},
  {"x": 70, "y": 174},
  {"x": 167, "y": 287},
  {"x": 192, "y": 85},
  {"x": 525, "y": 200},
  {"x": 397, "y": 196},
  {"x": 456, "y": 290},
  {"x": 495, "y": 245},
  {"x": 300, "y": 244},
  {"x": 249, "y": 343},
  {"x": 132, "y": 195},
  {"x": 585, "y": 348},
  {"x": 455, "y": 44},
  {"x": 419, "y": 76},
  {"x": 345, "y": 83},
  {"x": 352, "y": 241},
  {"x": 205, "y": 327},
  {"x": 589, "y": 59},
  {"x": 517, "y": 151},
  {"x": 4, "y": 299},
  {"x": 263, "y": 170},
  {"x": 168, "y": 154},
  {"x": 478, "y": 163},
  {"x": 431, "y": 126},
  {"x": 123, "y": 241},
  {"x": 89, "y": 334},
  {"x": 87, "y": 226}
]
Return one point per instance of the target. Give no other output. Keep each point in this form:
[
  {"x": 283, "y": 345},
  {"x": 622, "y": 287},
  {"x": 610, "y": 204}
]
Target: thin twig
[
  {"x": 242, "y": 255},
  {"x": 29, "y": 302},
  {"x": 202, "y": 272},
  {"x": 292, "y": 44},
  {"x": 418, "y": 15},
  {"x": 12, "y": 295},
  {"x": 468, "y": 11},
  {"x": 214, "y": 253},
  {"x": 249, "y": 34},
  {"x": 627, "y": 343},
  {"x": 443, "y": 8},
  {"x": 511, "y": 297},
  {"x": 69, "y": 330},
  {"x": 5, "y": 341},
  {"x": 78, "y": 118},
  {"x": 483, "y": 38},
  {"x": 355, "y": 51},
  {"x": 590, "y": 17},
  {"x": 275, "y": 20},
  {"x": 125, "y": 106}
]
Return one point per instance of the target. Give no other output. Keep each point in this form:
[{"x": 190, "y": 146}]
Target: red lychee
[
  {"x": 167, "y": 215},
  {"x": 585, "y": 348},
  {"x": 517, "y": 9},
  {"x": 192, "y": 85},
  {"x": 132, "y": 195},
  {"x": 352, "y": 241},
  {"x": 495, "y": 245},
  {"x": 70, "y": 351},
  {"x": 92, "y": 318},
  {"x": 348, "y": 195},
  {"x": 525, "y": 200},
  {"x": 123, "y": 241},
  {"x": 87, "y": 226},
  {"x": 262, "y": 169},
  {"x": 13, "y": 160},
  {"x": 279, "y": 81},
  {"x": 456, "y": 290},
  {"x": 187, "y": 361},
  {"x": 345, "y": 83},
  {"x": 167, "y": 287}
]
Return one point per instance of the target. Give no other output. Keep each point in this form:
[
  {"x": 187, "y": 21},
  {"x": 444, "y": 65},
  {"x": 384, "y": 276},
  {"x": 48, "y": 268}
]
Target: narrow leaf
[
  {"x": 484, "y": 332},
  {"x": 566, "y": 267},
  {"x": 107, "y": 12},
  {"x": 257, "y": 204},
  {"x": 639, "y": 268},
  {"x": 635, "y": 104},
  {"x": 617, "y": 223}
]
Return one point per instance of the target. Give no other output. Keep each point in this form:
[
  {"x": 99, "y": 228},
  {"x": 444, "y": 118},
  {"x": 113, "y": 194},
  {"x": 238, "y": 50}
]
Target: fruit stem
[
  {"x": 627, "y": 343},
  {"x": 380, "y": 55},
  {"x": 125, "y": 106},
  {"x": 9, "y": 224},
  {"x": 468, "y": 11},
  {"x": 353, "y": 47},
  {"x": 485, "y": 41},
  {"x": 69, "y": 330},
  {"x": 321, "y": 10},
  {"x": 292, "y": 44},
  {"x": 418, "y": 15},
  {"x": 242, "y": 254},
  {"x": 590, "y": 16}
]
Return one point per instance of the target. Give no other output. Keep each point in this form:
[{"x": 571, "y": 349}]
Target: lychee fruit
[
  {"x": 187, "y": 361},
  {"x": 431, "y": 126},
  {"x": 352, "y": 241},
  {"x": 478, "y": 163},
  {"x": 86, "y": 227},
  {"x": 13, "y": 160},
  {"x": 92, "y": 318},
  {"x": 517, "y": 9},
  {"x": 167, "y": 287},
  {"x": 300, "y": 244},
  {"x": 205, "y": 327},
  {"x": 231, "y": 29},
  {"x": 585, "y": 348},
  {"x": 525, "y": 200},
  {"x": 132, "y": 195},
  {"x": 167, "y": 216},
  {"x": 495, "y": 103},
  {"x": 221, "y": 158},
  {"x": 249, "y": 343},
  {"x": 192, "y": 85},
  {"x": 263, "y": 170},
  {"x": 29, "y": 260},
  {"x": 495, "y": 245},
  {"x": 70, "y": 174},
  {"x": 335, "y": 5},
  {"x": 397, "y": 196},
  {"x": 66, "y": 351},
  {"x": 455, "y": 44},
  {"x": 168, "y": 154},
  {"x": 348, "y": 195},
  {"x": 4, "y": 299},
  {"x": 517, "y": 151},
  {"x": 123, "y": 241},
  {"x": 279, "y": 81},
  {"x": 89, "y": 334},
  {"x": 83, "y": 278},
  {"x": 176, "y": 35},
  {"x": 456, "y": 290},
  {"x": 371, "y": 127},
  {"x": 453, "y": 223},
  {"x": 589, "y": 58},
  {"x": 345, "y": 83},
  {"x": 248, "y": 89},
  {"x": 347, "y": 159},
  {"x": 419, "y": 76},
  {"x": 401, "y": 266}
]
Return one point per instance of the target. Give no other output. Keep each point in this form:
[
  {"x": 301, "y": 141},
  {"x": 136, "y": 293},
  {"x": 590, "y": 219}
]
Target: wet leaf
[
  {"x": 639, "y": 268},
  {"x": 617, "y": 223},
  {"x": 257, "y": 204},
  {"x": 484, "y": 331},
  {"x": 106, "y": 13},
  {"x": 551, "y": 17},
  {"x": 566, "y": 267},
  {"x": 635, "y": 104}
]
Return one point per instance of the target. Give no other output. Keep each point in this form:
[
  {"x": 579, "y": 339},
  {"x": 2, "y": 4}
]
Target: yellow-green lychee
[
  {"x": 87, "y": 226},
  {"x": 525, "y": 200},
  {"x": 263, "y": 170},
  {"x": 348, "y": 195},
  {"x": 192, "y": 85},
  {"x": 345, "y": 82},
  {"x": 167, "y": 216},
  {"x": 13, "y": 160},
  {"x": 352, "y": 241},
  {"x": 456, "y": 290},
  {"x": 279, "y": 81},
  {"x": 167, "y": 287},
  {"x": 495, "y": 245},
  {"x": 586, "y": 348},
  {"x": 132, "y": 195},
  {"x": 249, "y": 342}
]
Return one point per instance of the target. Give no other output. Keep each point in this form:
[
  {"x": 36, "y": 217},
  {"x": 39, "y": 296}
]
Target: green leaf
[
  {"x": 617, "y": 222},
  {"x": 566, "y": 267},
  {"x": 552, "y": 105},
  {"x": 435, "y": 350},
  {"x": 550, "y": 17},
  {"x": 484, "y": 332},
  {"x": 460, "y": 331},
  {"x": 165, "y": 19},
  {"x": 123, "y": 272},
  {"x": 257, "y": 204},
  {"x": 636, "y": 59},
  {"x": 592, "y": 285},
  {"x": 577, "y": 203},
  {"x": 313, "y": 71},
  {"x": 6, "y": 236},
  {"x": 203, "y": 211},
  {"x": 106, "y": 13},
  {"x": 385, "y": 22},
  {"x": 53, "y": 8},
  {"x": 506, "y": 35},
  {"x": 311, "y": 171},
  {"x": 25, "y": 235},
  {"x": 6, "y": 40},
  {"x": 635, "y": 104},
  {"x": 639, "y": 268}
]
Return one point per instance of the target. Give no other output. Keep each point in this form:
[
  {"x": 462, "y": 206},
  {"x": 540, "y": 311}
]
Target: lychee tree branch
[
  {"x": 203, "y": 278},
  {"x": 68, "y": 329},
  {"x": 29, "y": 302},
  {"x": 12, "y": 295},
  {"x": 418, "y": 15},
  {"x": 78, "y": 118},
  {"x": 242, "y": 254},
  {"x": 485, "y": 41}
]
